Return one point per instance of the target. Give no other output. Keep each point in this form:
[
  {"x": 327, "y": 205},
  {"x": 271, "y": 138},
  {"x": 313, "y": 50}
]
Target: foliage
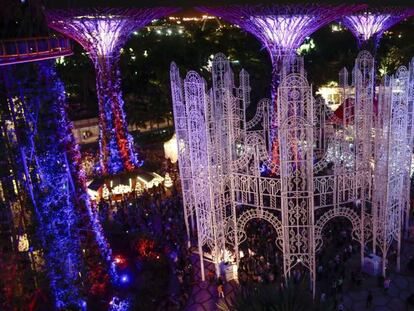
[
  {"x": 61, "y": 204},
  {"x": 270, "y": 297}
]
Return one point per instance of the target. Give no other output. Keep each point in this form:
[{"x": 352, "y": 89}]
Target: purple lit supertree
[
  {"x": 369, "y": 25},
  {"x": 281, "y": 29},
  {"x": 102, "y": 33}
]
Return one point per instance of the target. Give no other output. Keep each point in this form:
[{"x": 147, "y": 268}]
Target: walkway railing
[{"x": 33, "y": 49}]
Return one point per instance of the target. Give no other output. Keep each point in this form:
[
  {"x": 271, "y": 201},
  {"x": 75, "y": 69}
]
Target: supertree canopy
[
  {"x": 102, "y": 33},
  {"x": 281, "y": 28},
  {"x": 369, "y": 25}
]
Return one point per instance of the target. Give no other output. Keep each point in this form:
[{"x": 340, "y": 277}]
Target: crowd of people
[
  {"x": 260, "y": 259},
  {"x": 157, "y": 215},
  {"x": 333, "y": 262}
]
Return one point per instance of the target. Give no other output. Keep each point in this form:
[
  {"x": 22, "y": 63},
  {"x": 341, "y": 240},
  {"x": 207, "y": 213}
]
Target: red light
[{"x": 119, "y": 260}]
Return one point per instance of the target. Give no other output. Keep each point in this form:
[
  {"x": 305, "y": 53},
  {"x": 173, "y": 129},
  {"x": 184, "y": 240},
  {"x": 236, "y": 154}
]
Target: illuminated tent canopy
[
  {"x": 170, "y": 149},
  {"x": 123, "y": 184}
]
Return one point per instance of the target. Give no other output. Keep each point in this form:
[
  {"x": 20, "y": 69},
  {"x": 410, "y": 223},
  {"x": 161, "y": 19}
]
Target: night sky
[{"x": 187, "y": 4}]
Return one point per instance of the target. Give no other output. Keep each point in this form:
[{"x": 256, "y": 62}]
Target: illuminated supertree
[
  {"x": 281, "y": 29},
  {"x": 102, "y": 33},
  {"x": 369, "y": 25}
]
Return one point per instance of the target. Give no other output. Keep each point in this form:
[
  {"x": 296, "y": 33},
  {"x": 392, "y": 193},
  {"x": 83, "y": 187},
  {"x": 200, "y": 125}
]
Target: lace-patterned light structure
[
  {"x": 102, "y": 33},
  {"x": 325, "y": 170},
  {"x": 369, "y": 25}
]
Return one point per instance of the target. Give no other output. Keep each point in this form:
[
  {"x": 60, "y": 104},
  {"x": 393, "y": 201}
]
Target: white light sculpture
[{"x": 357, "y": 167}]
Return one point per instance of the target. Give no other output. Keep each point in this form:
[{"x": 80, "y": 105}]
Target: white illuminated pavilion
[{"x": 356, "y": 168}]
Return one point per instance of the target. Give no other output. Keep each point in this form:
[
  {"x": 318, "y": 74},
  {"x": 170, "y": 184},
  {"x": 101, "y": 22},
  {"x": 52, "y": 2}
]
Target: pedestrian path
[
  {"x": 395, "y": 299},
  {"x": 204, "y": 295},
  {"x": 354, "y": 298}
]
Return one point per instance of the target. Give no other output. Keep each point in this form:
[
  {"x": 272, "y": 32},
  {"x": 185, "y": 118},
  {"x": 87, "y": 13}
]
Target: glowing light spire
[
  {"x": 102, "y": 33},
  {"x": 369, "y": 25}
]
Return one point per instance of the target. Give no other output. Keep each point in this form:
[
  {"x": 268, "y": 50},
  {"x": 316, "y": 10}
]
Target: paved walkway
[
  {"x": 402, "y": 286},
  {"x": 204, "y": 296}
]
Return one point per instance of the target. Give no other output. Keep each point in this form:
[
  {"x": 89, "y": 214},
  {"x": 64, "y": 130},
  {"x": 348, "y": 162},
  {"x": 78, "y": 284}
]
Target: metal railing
[{"x": 33, "y": 49}]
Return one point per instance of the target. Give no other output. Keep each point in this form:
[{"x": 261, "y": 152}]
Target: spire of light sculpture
[
  {"x": 102, "y": 33},
  {"x": 281, "y": 28},
  {"x": 369, "y": 25}
]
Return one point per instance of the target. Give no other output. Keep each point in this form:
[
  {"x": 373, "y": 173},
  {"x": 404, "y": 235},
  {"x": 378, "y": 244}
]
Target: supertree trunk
[{"x": 116, "y": 144}]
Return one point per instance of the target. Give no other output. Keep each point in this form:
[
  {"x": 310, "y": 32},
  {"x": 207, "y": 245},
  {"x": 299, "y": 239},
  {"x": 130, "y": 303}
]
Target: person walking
[
  {"x": 220, "y": 290},
  {"x": 369, "y": 300},
  {"x": 387, "y": 283},
  {"x": 323, "y": 298},
  {"x": 211, "y": 276},
  {"x": 339, "y": 284}
]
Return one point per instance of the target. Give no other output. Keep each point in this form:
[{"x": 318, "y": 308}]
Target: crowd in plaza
[
  {"x": 261, "y": 260},
  {"x": 332, "y": 263},
  {"x": 155, "y": 216},
  {"x": 262, "y": 263}
]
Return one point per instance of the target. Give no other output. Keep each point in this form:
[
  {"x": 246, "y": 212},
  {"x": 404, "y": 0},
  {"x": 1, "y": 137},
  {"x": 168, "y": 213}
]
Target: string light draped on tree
[
  {"x": 102, "y": 33},
  {"x": 369, "y": 25},
  {"x": 34, "y": 99},
  {"x": 281, "y": 29},
  {"x": 96, "y": 243}
]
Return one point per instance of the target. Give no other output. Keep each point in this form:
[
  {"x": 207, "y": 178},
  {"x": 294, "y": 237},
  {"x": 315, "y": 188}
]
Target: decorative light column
[
  {"x": 295, "y": 114},
  {"x": 281, "y": 29},
  {"x": 393, "y": 147},
  {"x": 102, "y": 33},
  {"x": 369, "y": 25}
]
